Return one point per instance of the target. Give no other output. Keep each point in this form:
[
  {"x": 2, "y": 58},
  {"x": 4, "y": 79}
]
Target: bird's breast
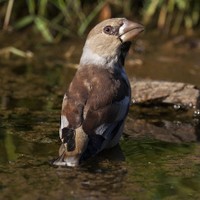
[{"x": 106, "y": 88}]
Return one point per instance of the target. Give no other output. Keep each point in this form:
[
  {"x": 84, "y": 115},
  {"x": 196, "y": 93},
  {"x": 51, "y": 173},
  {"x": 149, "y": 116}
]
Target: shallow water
[{"x": 158, "y": 157}]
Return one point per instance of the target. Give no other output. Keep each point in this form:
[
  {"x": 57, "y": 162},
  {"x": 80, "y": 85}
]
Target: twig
[{"x": 7, "y": 51}]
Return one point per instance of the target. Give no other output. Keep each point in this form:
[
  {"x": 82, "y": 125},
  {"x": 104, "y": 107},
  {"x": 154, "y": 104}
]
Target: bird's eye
[{"x": 108, "y": 30}]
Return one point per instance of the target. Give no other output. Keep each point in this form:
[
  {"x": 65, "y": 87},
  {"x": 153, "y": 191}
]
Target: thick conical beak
[{"x": 129, "y": 30}]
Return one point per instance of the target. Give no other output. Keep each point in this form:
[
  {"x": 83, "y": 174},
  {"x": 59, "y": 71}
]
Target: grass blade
[
  {"x": 31, "y": 6},
  {"x": 42, "y": 7},
  {"x": 90, "y": 17},
  {"x": 25, "y": 21},
  {"x": 42, "y": 26},
  {"x": 8, "y": 14}
]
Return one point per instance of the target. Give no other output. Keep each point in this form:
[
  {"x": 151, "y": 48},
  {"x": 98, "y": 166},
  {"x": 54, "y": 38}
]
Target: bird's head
[{"x": 109, "y": 41}]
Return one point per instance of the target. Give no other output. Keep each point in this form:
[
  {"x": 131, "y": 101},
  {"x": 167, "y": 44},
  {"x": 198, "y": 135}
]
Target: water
[{"x": 158, "y": 157}]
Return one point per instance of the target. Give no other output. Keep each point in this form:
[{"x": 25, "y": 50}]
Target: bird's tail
[
  {"x": 64, "y": 160},
  {"x": 71, "y": 156}
]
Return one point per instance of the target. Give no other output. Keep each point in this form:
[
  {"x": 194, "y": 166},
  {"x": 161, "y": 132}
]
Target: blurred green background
[{"x": 58, "y": 19}]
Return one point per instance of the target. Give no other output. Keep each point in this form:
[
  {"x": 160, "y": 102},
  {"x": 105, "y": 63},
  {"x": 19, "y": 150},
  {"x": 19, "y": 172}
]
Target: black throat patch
[{"x": 123, "y": 50}]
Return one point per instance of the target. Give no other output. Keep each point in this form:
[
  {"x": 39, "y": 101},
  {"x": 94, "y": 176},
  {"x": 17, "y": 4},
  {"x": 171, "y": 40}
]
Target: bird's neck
[
  {"x": 89, "y": 57},
  {"x": 112, "y": 60}
]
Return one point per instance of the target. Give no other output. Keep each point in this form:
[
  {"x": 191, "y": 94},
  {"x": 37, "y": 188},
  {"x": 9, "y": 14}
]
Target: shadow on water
[{"x": 158, "y": 156}]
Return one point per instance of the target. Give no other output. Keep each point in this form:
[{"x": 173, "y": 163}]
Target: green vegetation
[
  {"x": 56, "y": 19},
  {"x": 171, "y": 15}
]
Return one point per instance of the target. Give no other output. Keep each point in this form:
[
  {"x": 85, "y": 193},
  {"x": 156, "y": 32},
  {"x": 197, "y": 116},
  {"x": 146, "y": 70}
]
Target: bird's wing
[
  {"x": 98, "y": 110},
  {"x": 72, "y": 109},
  {"x": 104, "y": 120},
  {"x": 119, "y": 109},
  {"x": 104, "y": 126}
]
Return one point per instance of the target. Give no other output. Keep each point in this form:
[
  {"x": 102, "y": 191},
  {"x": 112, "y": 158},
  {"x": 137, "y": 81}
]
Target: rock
[{"x": 163, "y": 92}]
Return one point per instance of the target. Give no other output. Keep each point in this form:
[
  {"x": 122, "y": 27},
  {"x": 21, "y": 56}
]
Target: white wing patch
[
  {"x": 105, "y": 128},
  {"x": 63, "y": 124}
]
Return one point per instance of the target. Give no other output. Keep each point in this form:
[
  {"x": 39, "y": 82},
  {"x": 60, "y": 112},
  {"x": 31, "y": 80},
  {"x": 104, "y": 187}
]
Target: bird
[{"x": 97, "y": 102}]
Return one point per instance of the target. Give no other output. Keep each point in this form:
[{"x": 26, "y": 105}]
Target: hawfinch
[{"x": 98, "y": 99}]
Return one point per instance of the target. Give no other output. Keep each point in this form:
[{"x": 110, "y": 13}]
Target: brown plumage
[{"x": 97, "y": 102}]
